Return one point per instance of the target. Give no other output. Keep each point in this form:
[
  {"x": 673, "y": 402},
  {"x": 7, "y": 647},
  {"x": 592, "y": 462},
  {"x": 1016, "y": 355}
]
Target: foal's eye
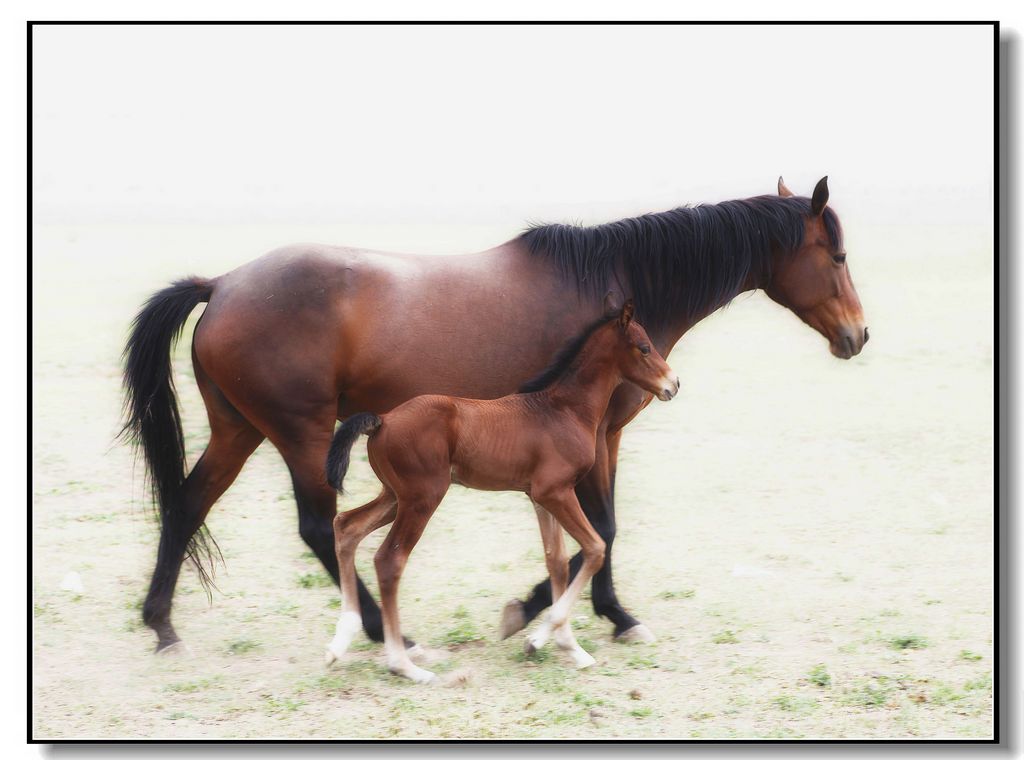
[
  {"x": 645, "y": 350},
  {"x": 839, "y": 258}
]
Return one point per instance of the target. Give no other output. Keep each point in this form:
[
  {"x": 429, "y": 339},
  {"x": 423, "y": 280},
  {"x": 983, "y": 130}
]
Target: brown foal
[{"x": 541, "y": 441}]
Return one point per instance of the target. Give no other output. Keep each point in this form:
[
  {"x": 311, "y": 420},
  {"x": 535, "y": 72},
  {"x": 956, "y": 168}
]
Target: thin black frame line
[{"x": 998, "y": 685}]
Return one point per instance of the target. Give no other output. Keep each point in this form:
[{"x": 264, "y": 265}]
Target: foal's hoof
[
  {"x": 639, "y": 633},
  {"x": 513, "y": 619}
]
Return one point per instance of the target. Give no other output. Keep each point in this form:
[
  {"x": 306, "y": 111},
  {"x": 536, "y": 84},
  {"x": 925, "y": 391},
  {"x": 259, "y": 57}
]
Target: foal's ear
[
  {"x": 820, "y": 197},
  {"x": 627, "y": 314},
  {"x": 784, "y": 191},
  {"x": 611, "y": 304}
]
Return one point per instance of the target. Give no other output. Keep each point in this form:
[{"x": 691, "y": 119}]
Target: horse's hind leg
[
  {"x": 232, "y": 440},
  {"x": 350, "y": 528}
]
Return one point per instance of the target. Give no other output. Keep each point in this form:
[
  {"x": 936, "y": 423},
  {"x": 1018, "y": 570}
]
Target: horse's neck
[{"x": 666, "y": 338}]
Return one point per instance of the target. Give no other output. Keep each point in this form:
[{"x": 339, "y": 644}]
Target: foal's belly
[{"x": 487, "y": 478}]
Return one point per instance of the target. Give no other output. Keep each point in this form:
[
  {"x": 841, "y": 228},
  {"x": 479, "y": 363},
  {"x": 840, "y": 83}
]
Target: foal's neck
[{"x": 585, "y": 390}]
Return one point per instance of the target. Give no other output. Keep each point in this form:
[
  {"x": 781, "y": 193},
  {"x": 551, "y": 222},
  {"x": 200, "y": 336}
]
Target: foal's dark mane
[
  {"x": 564, "y": 358},
  {"x": 685, "y": 262}
]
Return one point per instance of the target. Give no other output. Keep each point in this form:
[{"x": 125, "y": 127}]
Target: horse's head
[
  {"x": 814, "y": 281},
  {"x": 639, "y": 361}
]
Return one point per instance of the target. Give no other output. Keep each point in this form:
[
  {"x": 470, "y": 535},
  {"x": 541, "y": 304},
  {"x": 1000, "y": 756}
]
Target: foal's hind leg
[
  {"x": 304, "y": 445},
  {"x": 232, "y": 440},
  {"x": 350, "y": 528},
  {"x": 390, "y": 560}
]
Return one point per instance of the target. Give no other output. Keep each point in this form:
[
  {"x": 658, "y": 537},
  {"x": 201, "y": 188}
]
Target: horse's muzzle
[{"x": 850, "y": 342}]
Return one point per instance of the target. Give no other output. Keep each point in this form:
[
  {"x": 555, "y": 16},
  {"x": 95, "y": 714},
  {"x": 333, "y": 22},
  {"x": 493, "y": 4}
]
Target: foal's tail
[
  {"x": 341, "y": 446},
  {"x": 152, "y": 422}
]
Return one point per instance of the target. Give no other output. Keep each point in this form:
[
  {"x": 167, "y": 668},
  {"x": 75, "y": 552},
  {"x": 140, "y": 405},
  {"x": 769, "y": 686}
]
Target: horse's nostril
[{"x": 866, "y": 336}]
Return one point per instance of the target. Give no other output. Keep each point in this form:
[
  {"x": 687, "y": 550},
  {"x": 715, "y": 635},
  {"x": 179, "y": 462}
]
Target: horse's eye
[
  {"x": 839, "y": 258},
  {"x": 645, "y": 350}
]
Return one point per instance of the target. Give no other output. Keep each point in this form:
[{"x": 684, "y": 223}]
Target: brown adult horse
[
  {"x": 540, "y": 441},
  {"x": 310, "y": 334}
]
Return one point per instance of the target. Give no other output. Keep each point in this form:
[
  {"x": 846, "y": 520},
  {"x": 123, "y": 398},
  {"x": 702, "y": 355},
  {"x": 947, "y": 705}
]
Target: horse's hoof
[
  {"x": 638, "y": 634},
  {"x": 529, "y": 647},
  {"x": 329, "y": 657},
  {"x": 513, "y": 619},
  {"x": 174, "y": 649}
]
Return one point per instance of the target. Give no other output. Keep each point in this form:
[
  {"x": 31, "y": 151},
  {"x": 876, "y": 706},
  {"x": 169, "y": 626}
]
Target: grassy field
[{"x": 810, "y": 539}]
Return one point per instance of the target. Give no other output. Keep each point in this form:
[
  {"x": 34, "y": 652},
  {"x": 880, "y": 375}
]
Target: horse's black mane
[
  {"x": 681, "y": 263},
  {"x": 565, "y": 357}
]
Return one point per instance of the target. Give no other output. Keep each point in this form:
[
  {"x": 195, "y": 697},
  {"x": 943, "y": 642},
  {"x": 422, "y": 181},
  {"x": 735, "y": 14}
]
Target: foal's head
[
  {"x": 636, "y": 359},
  {"x": 814, "y": 281}
]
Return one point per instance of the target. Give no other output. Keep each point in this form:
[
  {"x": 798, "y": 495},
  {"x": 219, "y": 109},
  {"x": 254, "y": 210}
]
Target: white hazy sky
[{"x": 506, "y": 124}]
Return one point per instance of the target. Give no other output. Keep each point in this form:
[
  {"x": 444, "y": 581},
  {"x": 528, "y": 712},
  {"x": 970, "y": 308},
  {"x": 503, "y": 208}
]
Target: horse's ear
[
  {"x": 820, "y": 197},
  {"x": 627, "y": 314},
  {"x": 611, "y": 304},
  {"x": 784, "y": 191}
]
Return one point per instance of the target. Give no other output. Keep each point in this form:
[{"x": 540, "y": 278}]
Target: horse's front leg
[{"x": 596, "y": 495}]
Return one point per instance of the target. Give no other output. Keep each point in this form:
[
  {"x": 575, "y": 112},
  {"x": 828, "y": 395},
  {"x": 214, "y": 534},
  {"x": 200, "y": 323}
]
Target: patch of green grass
[
  {"x": 907, "y": 641},
  {"x": 587, "y": 701},
  {"x": 282, "y": 704},
  {"x": 405, "y": 705},
  {"x": 874, "y": 693},
  {"x": 686, "y": 593},
  {"x": 641, "y": 712},
  {"x": 190, "y": 687},
  {"x": 549, "y": 680},
  {"x": 967, "y": 654},
  {"x": 334, "y": 604},
  {"x": 642, "y": 661},
  {"x": 241, "y": 646},
  {"x": 725, "y": 637},
  {"x": 945, "y": 694},
  {"x": 465, "y": 630},
  {"x": 820, "y": 676},
  {"x": 316, "y": 579},
  {"x": 541, "y": 655},
  {"x": 178, "y": 716},
  {"x": 795, "y": 704},
  {"x": 588, "y": 644},
  {"x": 291, "y": 609},
  {"x": 983, "y": 683}
]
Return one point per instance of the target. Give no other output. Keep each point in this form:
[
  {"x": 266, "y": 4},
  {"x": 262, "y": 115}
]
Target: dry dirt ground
[{"x": 810, "y": 539}]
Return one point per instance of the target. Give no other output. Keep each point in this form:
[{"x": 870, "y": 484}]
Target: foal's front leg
[
  {"x": 558, "y": 570},
  {"x": 565, "y": 508}
]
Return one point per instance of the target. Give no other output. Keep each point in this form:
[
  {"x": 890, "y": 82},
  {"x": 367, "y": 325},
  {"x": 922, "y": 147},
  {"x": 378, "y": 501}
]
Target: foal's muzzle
[{"x": 669, "y": 388}]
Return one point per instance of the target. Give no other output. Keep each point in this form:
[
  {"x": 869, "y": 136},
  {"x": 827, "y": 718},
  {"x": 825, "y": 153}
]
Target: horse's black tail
[
  {"x": 152, "y": 422},
  {"x": 341, "y": 446}
]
